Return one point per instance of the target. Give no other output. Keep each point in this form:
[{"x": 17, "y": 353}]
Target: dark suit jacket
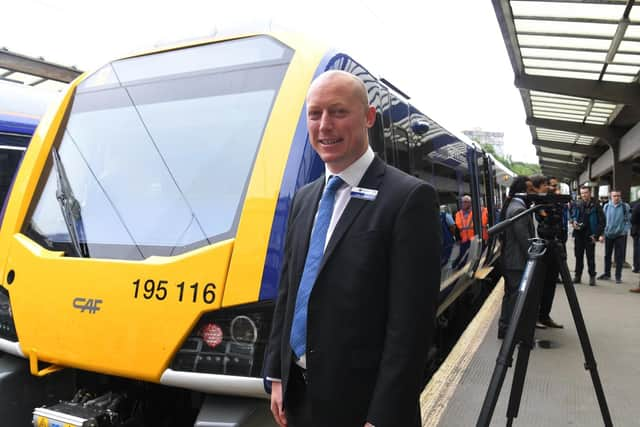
[{"x": 371, "y": 312}]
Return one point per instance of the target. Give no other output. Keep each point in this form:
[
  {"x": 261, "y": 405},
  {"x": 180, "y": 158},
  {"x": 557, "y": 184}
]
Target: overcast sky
[{"x": 449, "y": 56}]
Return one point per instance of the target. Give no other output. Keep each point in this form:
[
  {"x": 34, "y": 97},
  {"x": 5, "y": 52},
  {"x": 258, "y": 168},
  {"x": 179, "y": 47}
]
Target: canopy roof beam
[
  {"x": 617, "y": 93},
  {"x": 571, "y": 148},
  {"x": 598, "y": 131},
  {"x": 36, "y": 67},
  {"x": 561, "y": 157}
]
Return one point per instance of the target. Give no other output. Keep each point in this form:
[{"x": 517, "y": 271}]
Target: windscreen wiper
[{"x": 70, "y": 208}]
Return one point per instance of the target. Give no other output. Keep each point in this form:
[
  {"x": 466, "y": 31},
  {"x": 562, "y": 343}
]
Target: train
[
  {"x": 141, "y": 242},
  {"x": 20, "y": 110}
]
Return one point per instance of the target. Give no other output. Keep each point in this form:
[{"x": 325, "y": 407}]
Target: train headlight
[
  {"x": 229, "y": 341},
  {"x": 244, "y": 330}
]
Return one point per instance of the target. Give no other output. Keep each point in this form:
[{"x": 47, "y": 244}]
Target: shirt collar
[{"x": 353, "y": 174}]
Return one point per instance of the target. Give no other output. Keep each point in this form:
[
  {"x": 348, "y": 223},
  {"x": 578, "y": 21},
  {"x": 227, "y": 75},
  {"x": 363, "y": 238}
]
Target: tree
[{"x": 519, "y": 168}]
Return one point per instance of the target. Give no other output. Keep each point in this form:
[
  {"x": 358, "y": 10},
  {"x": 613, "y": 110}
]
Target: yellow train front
[{"x": 141, "y": 244}]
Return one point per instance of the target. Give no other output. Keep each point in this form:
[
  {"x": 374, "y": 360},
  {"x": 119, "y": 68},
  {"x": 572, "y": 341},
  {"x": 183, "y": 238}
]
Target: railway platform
[{"x": 558, "y": 390}]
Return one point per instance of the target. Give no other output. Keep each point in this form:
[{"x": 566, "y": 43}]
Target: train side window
[
  {"x": 376, "y": 136},
  {"x": 402, "y": 146}
]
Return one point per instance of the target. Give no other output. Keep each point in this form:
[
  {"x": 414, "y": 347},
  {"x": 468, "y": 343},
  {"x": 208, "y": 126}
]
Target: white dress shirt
[{"x": 352, "y": 177}]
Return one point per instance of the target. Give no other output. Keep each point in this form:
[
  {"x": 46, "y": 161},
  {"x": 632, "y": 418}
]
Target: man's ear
[{"x": 371, "y": 116}]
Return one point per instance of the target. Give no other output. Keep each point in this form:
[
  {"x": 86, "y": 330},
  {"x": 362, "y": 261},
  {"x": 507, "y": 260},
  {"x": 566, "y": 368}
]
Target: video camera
[
  {"x": 544, "y": 199},
  {"x": 548, "y": 213}
]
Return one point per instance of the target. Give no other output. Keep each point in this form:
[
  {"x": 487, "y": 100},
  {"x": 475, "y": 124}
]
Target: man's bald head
[
  {"x": 338, "y": 119},
  {"x": 354, "y": 83}
]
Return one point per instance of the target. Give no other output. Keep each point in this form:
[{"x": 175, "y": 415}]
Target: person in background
[
  {"x": 540, "y": 184},
  {"x": 551, "y": 273},
  {"x": 515, "y": 244},
  {"x": 635, "y": 234},
  {"x": 588, "y": 221},
  {"x": 618, "y": 215},
  {"x": 464, "y": 223},
  {"x": 355, "y": 312}
]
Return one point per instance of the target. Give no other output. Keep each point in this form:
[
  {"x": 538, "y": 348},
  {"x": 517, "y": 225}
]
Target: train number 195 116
[{"x": 182, "y": 292}]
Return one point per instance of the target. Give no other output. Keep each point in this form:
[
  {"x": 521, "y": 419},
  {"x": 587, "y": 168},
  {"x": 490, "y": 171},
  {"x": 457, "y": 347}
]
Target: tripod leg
[
  {"x": 508, "y": 345},
  {"x": 526, "y": 336},
  {"x": 590, "y": 361}
]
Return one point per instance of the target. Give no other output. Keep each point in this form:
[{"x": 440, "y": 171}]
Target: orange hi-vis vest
[
  {"x": 466, "y": 226},
  {"x": 485, "y": 224}
]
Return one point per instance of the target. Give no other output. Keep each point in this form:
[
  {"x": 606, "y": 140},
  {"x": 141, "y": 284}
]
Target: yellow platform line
[{"x": 436, "y": 395}]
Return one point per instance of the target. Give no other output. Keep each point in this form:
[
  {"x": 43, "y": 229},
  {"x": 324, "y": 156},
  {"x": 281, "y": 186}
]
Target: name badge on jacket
[{"x": 364, "y": 193}]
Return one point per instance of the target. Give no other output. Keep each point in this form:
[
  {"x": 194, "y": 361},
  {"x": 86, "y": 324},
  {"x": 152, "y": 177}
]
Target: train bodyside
[{"x": 145, "y": 232}]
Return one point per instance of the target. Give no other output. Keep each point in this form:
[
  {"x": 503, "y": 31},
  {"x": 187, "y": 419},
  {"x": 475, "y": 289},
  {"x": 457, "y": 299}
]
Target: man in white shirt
[{"x": 358, "y": 292}]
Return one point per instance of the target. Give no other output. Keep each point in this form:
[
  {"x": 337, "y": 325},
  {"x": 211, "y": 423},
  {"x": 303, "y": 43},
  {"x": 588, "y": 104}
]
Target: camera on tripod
[{"x": 548, "y": 213}]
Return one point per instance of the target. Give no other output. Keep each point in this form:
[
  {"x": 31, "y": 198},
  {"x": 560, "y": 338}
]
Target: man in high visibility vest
[{"x": 464, "y": 223}]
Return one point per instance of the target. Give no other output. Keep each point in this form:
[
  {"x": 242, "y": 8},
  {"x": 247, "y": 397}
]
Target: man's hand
[
  {"x": 276, "y": 404},
  {"x": 601, "y": 239},
  {"x": 368, "y": 425}
]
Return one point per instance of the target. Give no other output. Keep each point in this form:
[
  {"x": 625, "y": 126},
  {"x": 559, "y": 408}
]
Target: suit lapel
[{"x": 371, "y": 179}]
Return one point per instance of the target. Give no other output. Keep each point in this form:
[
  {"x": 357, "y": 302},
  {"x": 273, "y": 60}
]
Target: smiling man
[{"x": 356, "y": 305}]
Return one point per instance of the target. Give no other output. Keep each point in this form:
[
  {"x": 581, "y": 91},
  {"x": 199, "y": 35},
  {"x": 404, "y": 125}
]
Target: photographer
[
  {"x": 588, "y": 222},
  {"x": 515, "y": 243},
  {"x": 553, "y": 269}
]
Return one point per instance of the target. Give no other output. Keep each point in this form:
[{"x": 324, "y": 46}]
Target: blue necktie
[{"x": 298, "y": 339}]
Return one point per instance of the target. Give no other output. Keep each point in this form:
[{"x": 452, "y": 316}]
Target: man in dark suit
[{"x": 356, "y": 305}]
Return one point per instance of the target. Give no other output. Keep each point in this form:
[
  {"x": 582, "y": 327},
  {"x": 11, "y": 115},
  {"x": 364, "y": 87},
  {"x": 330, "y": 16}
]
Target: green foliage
[{"x": 519, "y": 168}]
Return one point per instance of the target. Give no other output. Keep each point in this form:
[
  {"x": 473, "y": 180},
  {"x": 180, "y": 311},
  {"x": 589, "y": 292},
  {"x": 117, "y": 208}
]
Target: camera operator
[
  {"x": 588, "y": 223},
  {"x": 553, "y": 269},
  {"x": 515, "y": 244}
]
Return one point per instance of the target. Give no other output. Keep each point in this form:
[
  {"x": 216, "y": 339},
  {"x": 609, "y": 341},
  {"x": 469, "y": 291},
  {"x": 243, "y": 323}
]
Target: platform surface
[{"x": 558, "y": 390}]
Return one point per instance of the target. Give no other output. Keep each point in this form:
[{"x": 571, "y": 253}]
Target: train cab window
[{"x": 152, "y": 184}]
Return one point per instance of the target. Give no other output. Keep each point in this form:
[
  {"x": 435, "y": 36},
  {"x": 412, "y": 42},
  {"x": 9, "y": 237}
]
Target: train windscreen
[{"x": 157, "y": 151}]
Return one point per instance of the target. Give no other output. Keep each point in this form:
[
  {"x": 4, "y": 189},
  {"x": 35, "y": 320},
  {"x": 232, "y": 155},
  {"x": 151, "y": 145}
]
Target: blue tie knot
[
  {"x": 333, "y": 184},
  {"x": 312, "y": 263}
]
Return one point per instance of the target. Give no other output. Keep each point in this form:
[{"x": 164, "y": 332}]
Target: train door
[
  {"x": 479, "y": 210},
  {"x": 487, "y": 189}
]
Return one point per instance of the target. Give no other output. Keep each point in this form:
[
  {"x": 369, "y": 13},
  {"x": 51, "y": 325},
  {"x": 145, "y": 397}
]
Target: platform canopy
[
  {"x": 27, "y": 70},
  {"x": 576, "y": 64}
]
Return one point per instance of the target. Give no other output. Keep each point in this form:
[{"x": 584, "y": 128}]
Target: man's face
[
  {"x": 553, "y": 186},
  {"x": 466, "y": 204},
  {"x": 338, "y": 121},
  {"x": 543, "y": 188},
  {"x": 585, "y": 194},
  {"x": 615, "y": 197}
]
